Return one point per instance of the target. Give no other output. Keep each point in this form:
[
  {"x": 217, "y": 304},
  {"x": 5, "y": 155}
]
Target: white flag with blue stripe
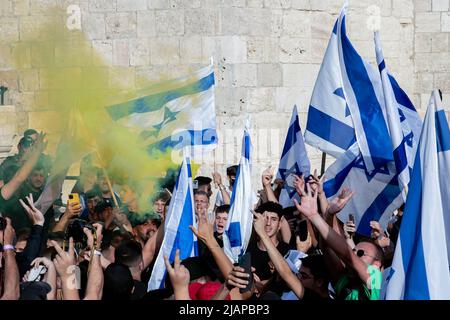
[
  {"x": 346, "y": 104},
  {"x": 240, "y": 217},
  {"x": 177, "y": 234},
  {"x": 403, "y": 142},
  {"x": 339, "y": 109},
  {"x": 294, "y": 160},
  {"x": 173, "y": 114},
  {"x": 420, "y": 269}
]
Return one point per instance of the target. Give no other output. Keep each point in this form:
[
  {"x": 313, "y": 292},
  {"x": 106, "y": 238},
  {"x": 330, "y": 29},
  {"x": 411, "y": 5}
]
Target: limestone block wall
[{"x": 267, "y": 54}]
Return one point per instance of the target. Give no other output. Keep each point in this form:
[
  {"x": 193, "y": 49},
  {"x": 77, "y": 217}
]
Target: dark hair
[
  {"x": 118, "y": 282},
  {"x": 92, "y": 193},
  {"x": 23, "y": 234},
  {"x": 128, "y": 253},
  {"x": 203, "y": 181},
  {"x": 29, "y": 132},
  {"x": 161, "y": 195},
  {"x": 25, "y": 142},
  {"x": 201, "y": 193},
  {"x": 232, "y": 170},
  {"x": 271, "y": 207},
  {"x": 316, "y": 263},
  {"x": 223, "y": 208}
]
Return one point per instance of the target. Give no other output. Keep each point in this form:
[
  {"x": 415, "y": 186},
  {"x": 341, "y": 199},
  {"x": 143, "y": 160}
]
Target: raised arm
[
  {"x": 266, "y": 179},
  {"x": 336, "y": 242},
  {"x": 205, "y": 233},
  {"x": 94, "y": 287},
  {"x": 50, "y": 275},
  {"x": 223, "y": 191},
  {"x": 277, "y": 259},
  {"x": 179, "y": 277},
  {"x": 73, "y": 211},
  {"x": 65, "y": 265},
  {"x": 22, "y": 174},
  {"x": 11, "y": 285}
]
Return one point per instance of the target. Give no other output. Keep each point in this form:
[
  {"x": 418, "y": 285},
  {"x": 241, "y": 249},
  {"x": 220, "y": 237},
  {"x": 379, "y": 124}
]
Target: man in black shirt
[{"x": 260, "y": 259}]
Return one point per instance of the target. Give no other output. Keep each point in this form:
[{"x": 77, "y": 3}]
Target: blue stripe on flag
[
  {"x": 400, "y": 95},
  {"x": 185, "y": 138},
  {"x": 378, "y": 206},
  {"x": 372, "y": 118},
  {"x": 382, "y": 66},
  {"x": 233, "y": 194},
  {"x": 184, "y": 239},
  {"x": 330, "y": 129},
  {"x": 442, "y": 132},
  {"x": 234, "y": 234},
  {"x": 401, "y": 161},
  {"x": 157, "y": 101},
  {"x": 332, "y": 186},
  {"x": 416, "y": 284},
  {"x": 246, "y": 145},
  {"x": 291, "y": 137}
]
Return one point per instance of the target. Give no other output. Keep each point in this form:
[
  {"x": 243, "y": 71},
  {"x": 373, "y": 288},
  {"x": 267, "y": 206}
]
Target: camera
[{"x": 75, "y": 231}]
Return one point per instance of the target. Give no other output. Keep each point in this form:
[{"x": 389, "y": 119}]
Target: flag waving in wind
[
  {"x": 294, "y": 160},
  {"x": 240, "y": 218},
  {"x": 403, "y": 141},
  {"x": 176, "y": 114},
  {"x": 420, "y": 269},
  {"x": 345, "y": 106},
  {"x": 178, "y": 235}
]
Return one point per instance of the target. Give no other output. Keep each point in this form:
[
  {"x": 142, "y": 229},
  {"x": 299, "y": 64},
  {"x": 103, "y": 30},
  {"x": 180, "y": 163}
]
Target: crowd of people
[{"x": 101, "y": 247}]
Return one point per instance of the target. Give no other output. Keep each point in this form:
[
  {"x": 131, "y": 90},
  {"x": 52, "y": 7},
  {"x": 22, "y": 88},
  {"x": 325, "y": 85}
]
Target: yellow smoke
[{"x": 73, "y": 77}]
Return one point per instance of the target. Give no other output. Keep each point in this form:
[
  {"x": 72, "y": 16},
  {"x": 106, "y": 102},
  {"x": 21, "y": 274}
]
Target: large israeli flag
[
  {"x": 177, "y": 234},
  {"x": 240, "y": 218},
  {"x": 420, "y": 269},
  {"x": 176, "y": 113},
  {"x": 346, "y": 104},
  {"x": 294, "y": 160},
  {"x": 403, "y": 140}
]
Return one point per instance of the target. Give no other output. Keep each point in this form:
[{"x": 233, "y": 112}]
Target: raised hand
[
  {"x": 308, "y": 206},
  {"x": 36, "y": 216},
  {"x": 91, "y": 242},
  {"x": 316, "y": 183},
  {"x": 339, "y": 202},
  {"x": 259, "y": 223},
  {"x": 73, "y": 210},
  {"x": 9, "y": 234},
  {"x": 303, "y": 246},
  {"x": 217, "y": 179},
  {"x": 179, "y": 274},
  {"x": 40, "y": 143},
  {"x": 299, "y": 184},
  {"x": 349, "y": 229},
  {"x": 237, "y": 278},
  {"x": 267, "y": 176},
  {"x": 205, "y": 230},
  {"x": 64, "y": 261}
]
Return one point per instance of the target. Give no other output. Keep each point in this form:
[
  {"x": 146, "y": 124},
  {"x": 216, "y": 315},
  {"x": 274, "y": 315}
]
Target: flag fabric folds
[
  {"x": 420, "y": 269},
  {"x": 294, "y": 160},
  {"x": 240, "y": 217},
  {"x": 177, "y": 113},
  {"x": 178, "y": 235}
]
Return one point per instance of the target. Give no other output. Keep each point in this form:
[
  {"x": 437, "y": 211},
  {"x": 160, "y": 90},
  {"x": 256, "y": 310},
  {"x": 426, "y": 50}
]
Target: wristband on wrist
[
  {"x": 8, "y": 247},
  {"x": 98, "y": 253}
]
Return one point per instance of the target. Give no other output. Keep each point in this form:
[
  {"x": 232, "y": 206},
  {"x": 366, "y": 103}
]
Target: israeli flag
[
  {"x": 420, "y": 269},
  {"x": 240, "y": 218},
  {"x": 345, "y": 105},
  {"x": 173, "y": 114},
  {"x": 177, "y": 234},
  {"x": 294, "y": 160},
  {"x": 403, "y": 140}
]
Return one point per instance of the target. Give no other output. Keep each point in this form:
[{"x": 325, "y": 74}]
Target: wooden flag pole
[{"x": 108, "y": 181}]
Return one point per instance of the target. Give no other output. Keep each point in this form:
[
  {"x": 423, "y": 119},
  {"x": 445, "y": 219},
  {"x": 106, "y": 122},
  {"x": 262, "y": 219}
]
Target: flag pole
[
  {"x": 108, "y": 181},
  {"x": 324, "y": 159}
]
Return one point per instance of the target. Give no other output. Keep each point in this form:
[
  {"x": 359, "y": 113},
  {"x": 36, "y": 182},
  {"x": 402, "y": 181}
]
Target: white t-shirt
[{"x": 219, "y": 199}]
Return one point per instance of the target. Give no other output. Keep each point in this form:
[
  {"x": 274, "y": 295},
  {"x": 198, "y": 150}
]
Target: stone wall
[{"x": 267, "y": 54}]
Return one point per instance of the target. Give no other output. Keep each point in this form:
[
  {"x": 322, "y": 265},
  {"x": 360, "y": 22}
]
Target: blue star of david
[
  {"x": 340, "y": 93},
  {"x": 402, "y": 115},
  {"x": 169, "y": 116},
  {"x": 359, "y": 163},
  {"x": 285, "y": 174},
  {"x": 409, "y": 139}
]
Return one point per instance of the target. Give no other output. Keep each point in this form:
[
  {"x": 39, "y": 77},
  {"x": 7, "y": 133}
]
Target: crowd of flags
[{"x": 357, "y": 114}]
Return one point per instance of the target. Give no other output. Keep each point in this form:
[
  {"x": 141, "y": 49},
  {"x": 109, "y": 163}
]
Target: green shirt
[{"x": 355, "y": 289}]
